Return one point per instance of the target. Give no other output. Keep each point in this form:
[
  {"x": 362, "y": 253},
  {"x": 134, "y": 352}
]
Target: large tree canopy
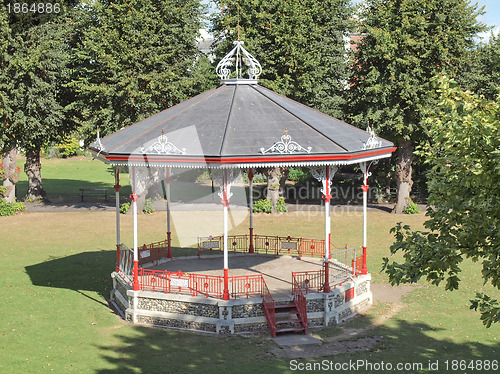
[
  {"x": 300, "y": 45},
  {"x": 134, "y": 58},
  {"x": 32, "y": 84},
  {"x": 464, "y": 195},
  {"x": 405, "y": 43}
]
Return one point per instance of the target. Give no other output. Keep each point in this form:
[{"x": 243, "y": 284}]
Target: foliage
[
  {"x": 297, "y": 174},
  {"x": 148, "y": 206},
  {"x": 134, "y": 58},
  {"x": 10, "y": 209},
  {"x": 300, "y": 46},
  {"x": 405, "y": 43},
  {"x": 464, "y": 194},
  {"x": 124, "y": 208},
  {"x": 68, "y": 147},
  {"x": 412, "y": 208},
  {"x": 480, "y": 72},
  {"x": 34, "y": 75},
  {"x": 265, "y": 206}
]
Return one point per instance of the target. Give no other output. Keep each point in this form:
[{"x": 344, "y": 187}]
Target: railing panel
[
  {"x": 312, "y": 248},
  {"x": 246, "y": 285},
  {"x": 126, "y": 261},
  {"x": 308, "y": 281},
  {"x": 342, "y": 265}
]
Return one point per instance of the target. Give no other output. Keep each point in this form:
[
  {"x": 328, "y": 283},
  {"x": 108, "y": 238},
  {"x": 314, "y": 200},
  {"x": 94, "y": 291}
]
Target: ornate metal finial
[
  {"x": 242, "y": 56},
  {"x": 286, "y": 145},
  {"x": 372, "y": 141}
]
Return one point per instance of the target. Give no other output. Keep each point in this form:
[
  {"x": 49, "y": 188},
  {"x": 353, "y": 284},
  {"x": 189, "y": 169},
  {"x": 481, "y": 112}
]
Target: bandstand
[{"x": 235, "y": 128}]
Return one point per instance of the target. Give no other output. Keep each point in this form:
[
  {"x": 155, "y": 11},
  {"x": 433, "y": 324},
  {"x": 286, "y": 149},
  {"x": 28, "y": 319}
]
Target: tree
[
  {"x": 300, "y": 45},
  {"x": 480, "y": 72},
  {"x": 464, "y": 195},
  {"x": 32, "y": 80},
  {"x": 405, "y": 44},
  {"x": 135, "y": 58}
]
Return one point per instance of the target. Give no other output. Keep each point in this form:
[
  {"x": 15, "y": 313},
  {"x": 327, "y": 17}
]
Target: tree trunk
[
  {"x": 33, "y": 169},
  {"x": 11, "y": 173},
  {"x": 273, "y": 186},
  {"x": 403, "y": 175},
  {"x": 283, "y": 179}
]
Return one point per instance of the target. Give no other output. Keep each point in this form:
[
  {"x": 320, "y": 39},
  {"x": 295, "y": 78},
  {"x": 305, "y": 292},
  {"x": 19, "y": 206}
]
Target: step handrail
[
  {"x": 300, "y": 301},
  {"x": 268, "y": 305}
]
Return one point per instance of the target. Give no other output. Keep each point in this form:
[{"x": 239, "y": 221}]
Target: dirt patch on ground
[{"x": 345, "y": 341}]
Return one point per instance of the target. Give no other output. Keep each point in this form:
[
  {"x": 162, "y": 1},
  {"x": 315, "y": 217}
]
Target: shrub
[
  {"x": 148, "y": 206},
  {"x": 265, "y": 206},
  {"x": 10, "y": 209},
  {"x": 68, "y": 148},
  {"x": 297, "y": 174},
  {"x": 124, "y": 208},
  {"x": 412, "y": 208}
]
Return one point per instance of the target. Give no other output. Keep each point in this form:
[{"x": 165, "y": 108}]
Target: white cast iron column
[
  {"x": 169, "y": 233},
  {"x": 225, "y": 202},
  {"x": 327, "y": 196},
  {"x": 365, "y": 170},
  {"x": 117, "y": 198},
  {"x": 250, "y": 178},
  {"x": 324, "y": 175},
  {"x": 134, "y": 198}
]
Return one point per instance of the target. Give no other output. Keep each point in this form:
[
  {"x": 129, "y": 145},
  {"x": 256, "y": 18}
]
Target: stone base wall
[{"x": 232, "y": 316}]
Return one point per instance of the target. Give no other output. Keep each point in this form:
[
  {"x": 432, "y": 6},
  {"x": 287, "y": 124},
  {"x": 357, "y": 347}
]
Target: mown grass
[
  {"x": 55, "y": 282},
  {"x": 54, "y": 314}
]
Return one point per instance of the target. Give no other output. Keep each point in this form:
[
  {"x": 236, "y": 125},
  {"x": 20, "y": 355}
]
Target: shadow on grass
[
  {"x": 87, "y": 271},
  {"x": 149, "y": 350}
]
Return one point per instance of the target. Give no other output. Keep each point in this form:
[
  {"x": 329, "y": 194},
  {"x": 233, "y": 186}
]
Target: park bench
[{"x": 94, "y": 192}]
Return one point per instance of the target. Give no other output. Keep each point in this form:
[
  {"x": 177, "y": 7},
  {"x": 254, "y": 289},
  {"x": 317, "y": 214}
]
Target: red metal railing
[
  {"x": 199, "y": 284},
  {"x": 267, "y": 244},
  {"x": 268, "y": 305},
  {"x": 153, "y": 252},
  {"x": 246, "y": 285},
  {"x": 300, "y": 301},
  {"x": 312, "y": 248},
  {"x": 358, "y": 264},
  {"x": 308, "y": 281}
]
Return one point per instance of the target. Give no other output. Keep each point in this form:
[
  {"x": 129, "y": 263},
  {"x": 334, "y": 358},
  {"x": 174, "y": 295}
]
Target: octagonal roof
[{"x": 240, "y": 124}]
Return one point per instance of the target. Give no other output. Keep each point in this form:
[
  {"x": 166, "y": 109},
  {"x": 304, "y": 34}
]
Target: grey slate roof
[{"x": 232, "y": 124}]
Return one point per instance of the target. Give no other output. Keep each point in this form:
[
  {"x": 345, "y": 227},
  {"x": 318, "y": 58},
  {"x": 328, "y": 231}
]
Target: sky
[{"x": 490, "y": 18}]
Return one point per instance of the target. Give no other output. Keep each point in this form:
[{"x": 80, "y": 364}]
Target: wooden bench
[{"x": 94, "y": 192}]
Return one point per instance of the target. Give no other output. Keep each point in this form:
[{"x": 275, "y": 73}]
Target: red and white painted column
[
  {"x": 327, "y": 196},
  {"x": 250, "y": 178},
  {"x": 169, "y": 232},
  {"x": 117, "y": 198},
  {"x": 134, "y": 197},
  {"x": 365, "y": 170},
  {"x": 324, "y": 175},
  {"x": 225, "y": 202}
]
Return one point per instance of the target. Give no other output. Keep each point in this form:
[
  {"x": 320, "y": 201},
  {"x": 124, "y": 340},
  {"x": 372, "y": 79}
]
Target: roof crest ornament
[
  {"x": 242, "y": 56},
  {"x": 163, "y": 147},
  {"x": 286, "y": 146},
  {"x": 372, "y": 141}
]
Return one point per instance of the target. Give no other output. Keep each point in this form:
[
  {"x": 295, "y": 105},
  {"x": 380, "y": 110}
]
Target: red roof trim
[{"x": 240, "y": 160}]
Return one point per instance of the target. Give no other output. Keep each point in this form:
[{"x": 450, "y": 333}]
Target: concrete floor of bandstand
[{"x": 277, "y": 270}]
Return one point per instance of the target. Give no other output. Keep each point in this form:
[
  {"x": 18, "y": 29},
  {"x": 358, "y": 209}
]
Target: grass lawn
[{"x": 55, "y": 282}]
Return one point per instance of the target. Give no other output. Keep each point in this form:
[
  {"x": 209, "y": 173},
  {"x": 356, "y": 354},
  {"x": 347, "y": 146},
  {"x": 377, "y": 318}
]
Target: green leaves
[
  {"x": 138, "y": 59},
  {"x": 300, "y": 46},
  {"x": 464, "y": 195}
]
